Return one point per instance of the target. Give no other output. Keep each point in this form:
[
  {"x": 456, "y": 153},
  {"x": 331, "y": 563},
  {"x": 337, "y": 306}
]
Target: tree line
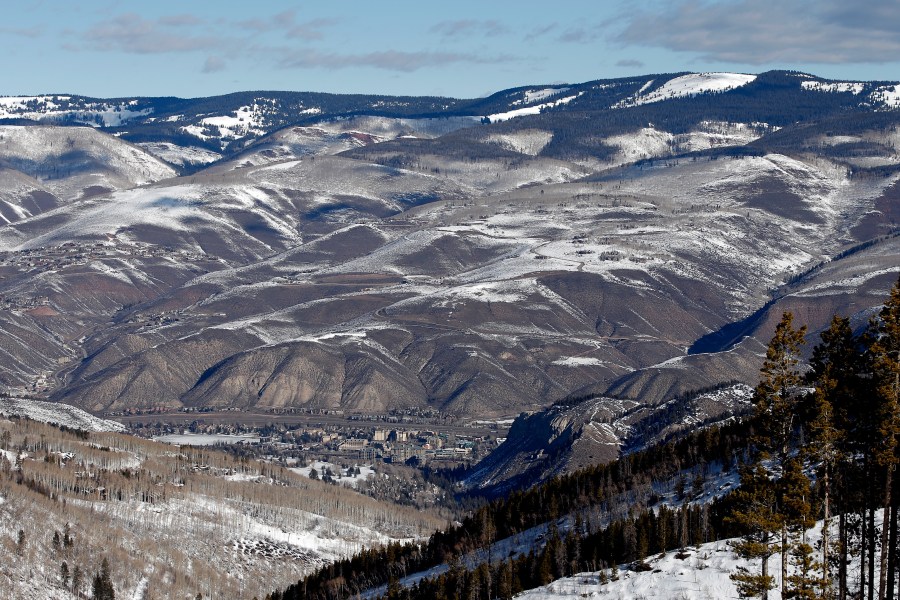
[{"x": 825, "y": 448}]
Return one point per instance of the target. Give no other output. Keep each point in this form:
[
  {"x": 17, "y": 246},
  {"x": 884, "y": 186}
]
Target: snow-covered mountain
[
  {"x": 368, "y": 253},
  {"x": 191, "y": 132}
]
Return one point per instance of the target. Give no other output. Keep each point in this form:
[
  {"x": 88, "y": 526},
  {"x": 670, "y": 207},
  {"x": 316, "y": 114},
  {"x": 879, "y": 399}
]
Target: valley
[{"x": 331, "y": 325}]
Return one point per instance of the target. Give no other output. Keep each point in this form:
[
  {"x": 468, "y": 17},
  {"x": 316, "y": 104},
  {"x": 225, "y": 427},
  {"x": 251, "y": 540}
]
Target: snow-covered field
[
  {"x": 206, "y": 439},
  {"x": 341, "y": 476},
  {"x": 691, "y": 85},
  {"x": 702, "y": 575},
  {"x": 57, "y": 413}
]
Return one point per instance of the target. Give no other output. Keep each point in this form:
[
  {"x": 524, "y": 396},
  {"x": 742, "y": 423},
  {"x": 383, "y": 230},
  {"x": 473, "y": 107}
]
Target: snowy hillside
[
  {"x": 702, "y": 573},
  {"x": 57, "y": 414},
  {"x": 361, "y": 261},
  {"x": 73, "y": 162},
  {"x": 184, "y": 521},
  {"x": 689, "y": 85},
  {"x": 67, "y": 108}
]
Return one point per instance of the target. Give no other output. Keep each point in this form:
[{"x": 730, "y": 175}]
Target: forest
[{"x": 822, "y": 445}]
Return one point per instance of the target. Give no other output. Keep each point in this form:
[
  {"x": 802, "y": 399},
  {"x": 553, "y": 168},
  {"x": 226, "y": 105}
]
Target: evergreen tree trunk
[
  {"x": 892, "y": 546},
  {"x": 784, "y": 557},
  {"x": 842, "y": 566},
  {"x": 871, "y": 535},
  {"x": 885, "y": 531},
  {"x": 826, "y": 522}
]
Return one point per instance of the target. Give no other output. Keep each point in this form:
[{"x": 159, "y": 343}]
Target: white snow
[
  {"x": 530, "y": 110},
  {"x": 530, "y": 96},
  {"x": 888, "y": 95},
  {"x": 57, "y": 413},
  {"x": 691, "y": 85},
  {"x": 833, "y": 87},
  {"x": 578, "y": 361},
  {"x": 50, "y": 108},
  {"x": 180, "y": 155},
  {"x": 529, "y": 141},
  {"x": 206, "y": 439},
  {"x": 339, "y": 475},
  {"x": 702, "y": 572}
]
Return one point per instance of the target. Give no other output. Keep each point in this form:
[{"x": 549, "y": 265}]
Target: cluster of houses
[{"x": 347, "y": 442}]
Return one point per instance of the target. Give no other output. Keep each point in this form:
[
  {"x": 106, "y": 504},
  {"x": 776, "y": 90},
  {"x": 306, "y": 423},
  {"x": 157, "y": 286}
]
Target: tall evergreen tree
[
  {"x": 776, "y": 401},
  {"x": 776, "y": 397},
  {"x": 836, "y": 367},
  {"x": 754, "y": 512},
  {"x": 886, "y": 362},
  {"x": 103, "y": 587}
]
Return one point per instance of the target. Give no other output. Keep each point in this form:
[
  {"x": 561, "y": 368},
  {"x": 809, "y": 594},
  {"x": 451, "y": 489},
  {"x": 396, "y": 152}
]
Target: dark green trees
[
  {"x": 103, "y": 587},
  {"x": 847, "y": 429},
  {"x": 886, "y": 370},
  {"x": 770, "y": 500}
]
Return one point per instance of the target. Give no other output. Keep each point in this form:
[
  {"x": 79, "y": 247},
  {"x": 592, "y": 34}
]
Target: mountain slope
[{"x": 607, "y": 238}]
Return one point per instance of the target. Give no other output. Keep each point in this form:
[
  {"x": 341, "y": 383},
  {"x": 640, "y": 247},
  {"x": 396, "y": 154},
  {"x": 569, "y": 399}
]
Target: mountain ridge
[{"x": 371, "y": 263}]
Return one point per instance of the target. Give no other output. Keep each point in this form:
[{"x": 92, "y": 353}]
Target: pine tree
[
  {"x": 797, "y": 516},
  {"x": 776, "y": 397},
  {"x": 755, "y": 513},
  {"x": 103, "y": 587},
  {"x": 804, "y": 583},
  {"x": 886, "y": 356},
  {"x": 76, "y": 580},
  {"x": 836, "y": 367},
  {"x": 776, "y": 403}
]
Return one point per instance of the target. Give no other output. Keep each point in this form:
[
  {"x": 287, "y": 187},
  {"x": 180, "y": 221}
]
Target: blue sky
[{"x": 462, "y": 48}]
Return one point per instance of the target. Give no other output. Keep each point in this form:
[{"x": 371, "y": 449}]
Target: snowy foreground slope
[
  {"x": 696, "y": 573},
  {"x": 703, "y": 574}
]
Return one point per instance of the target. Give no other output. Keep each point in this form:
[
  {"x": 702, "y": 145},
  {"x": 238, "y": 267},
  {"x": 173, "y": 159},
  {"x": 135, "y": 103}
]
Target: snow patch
[
  {"x": 887, "y": 95},
  {"x": 836, "y": 87},
  {"x": 530, "y": 110},
  {"x": 578, "y": 361},
  {"x": 206, "y": 439},
  {"x": 180, "y": 155},
  {"x": 690, "y": 85},
  {"x": 531, "y": 96}
]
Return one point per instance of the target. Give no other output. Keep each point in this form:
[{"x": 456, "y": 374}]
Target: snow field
[
  {"x": 56, "y": 413},
  {"x": 837, "y": 87},
  {"x": 691, "y": 85},
  {"x": 365, "y": 472},
  {"x": 530, "y": 110}
]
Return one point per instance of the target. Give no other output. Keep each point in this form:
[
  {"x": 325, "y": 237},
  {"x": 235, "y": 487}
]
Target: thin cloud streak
[
  {"x": 389, "y": 60},
  {"x": 469, "y": 27},
  {"x": 133, "y": 34},
  {"x": 762, "y": 32}
]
